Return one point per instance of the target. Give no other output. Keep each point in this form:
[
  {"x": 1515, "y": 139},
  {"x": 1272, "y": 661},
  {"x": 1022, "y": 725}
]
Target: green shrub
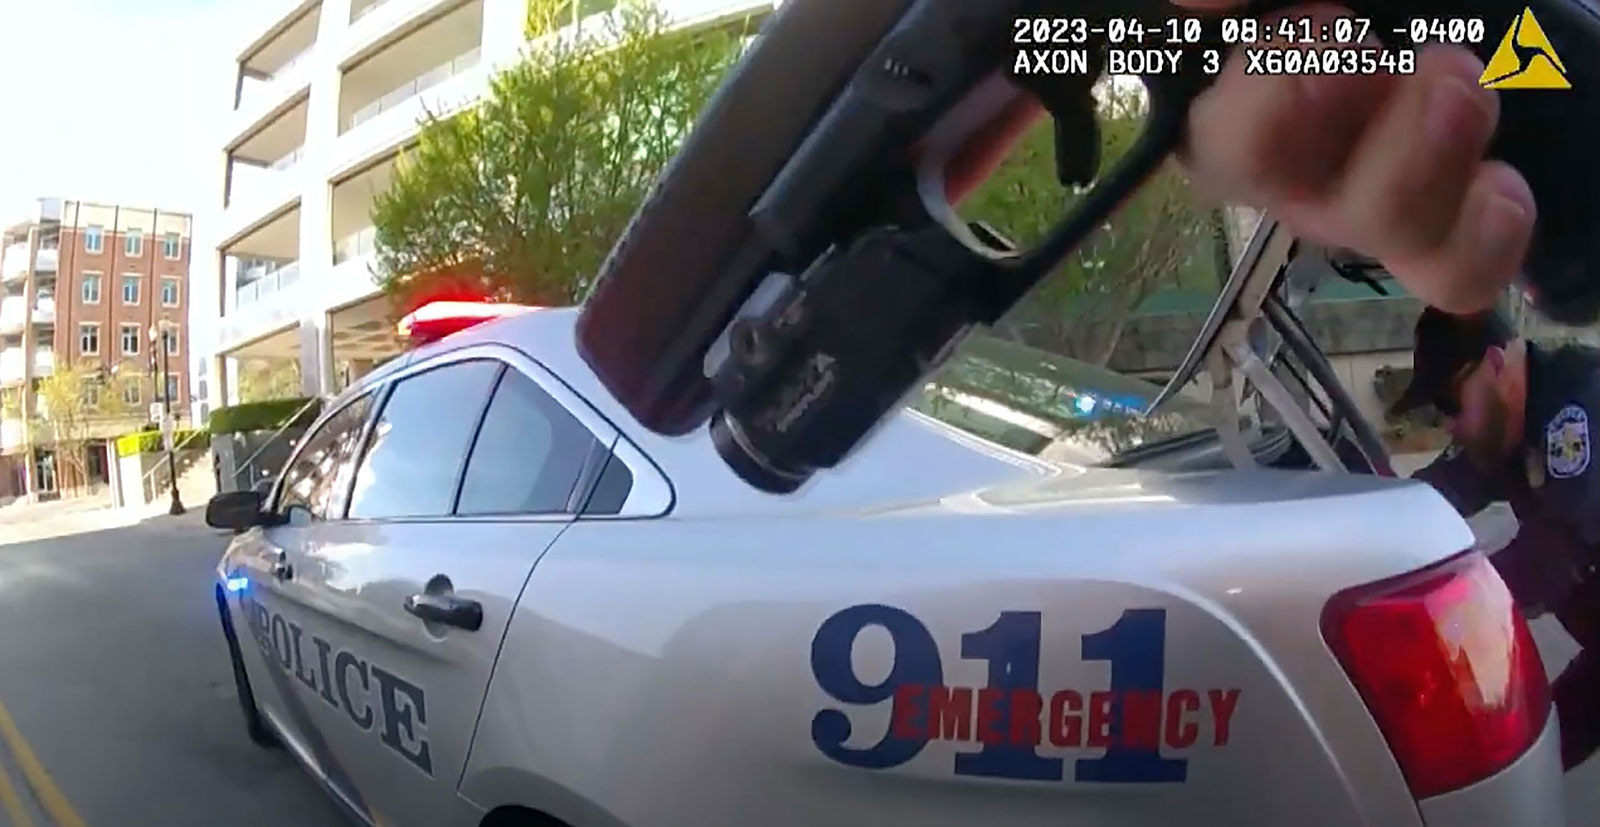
[
  {"x": 262, "y": 416},
  {"x": 149, "y": 442}
]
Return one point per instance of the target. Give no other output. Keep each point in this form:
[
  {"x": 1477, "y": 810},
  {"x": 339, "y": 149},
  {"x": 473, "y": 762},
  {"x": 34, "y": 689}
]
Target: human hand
[{"x": 1390, "y": 166}]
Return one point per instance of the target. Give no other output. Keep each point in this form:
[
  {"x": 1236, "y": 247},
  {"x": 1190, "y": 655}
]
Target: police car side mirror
[{"x": 237, "y": 511}]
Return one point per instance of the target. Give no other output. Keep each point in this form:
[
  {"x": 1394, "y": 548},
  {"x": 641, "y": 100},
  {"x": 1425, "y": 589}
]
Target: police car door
[
  {"x": 464, "y": 482},
  {"x": 309, "y": 493}
]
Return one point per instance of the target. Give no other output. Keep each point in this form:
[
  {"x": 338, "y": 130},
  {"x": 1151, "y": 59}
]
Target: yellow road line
[
  {"x": 13, "y": 802},
  {"x": 50, "y": 797}
]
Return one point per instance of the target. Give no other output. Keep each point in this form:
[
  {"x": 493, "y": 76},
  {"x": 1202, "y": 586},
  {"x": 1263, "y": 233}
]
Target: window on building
[
  {"x": 94, "y": 238},
  {"x": 172, "y": 246},
  {"x": 91, "y": 288},
  {"x": 91, "y": 394},
  {"x": 130, "y": 393},
  {"x": 89, "y": 339},
  {"x": 130, "y": 289},
  {"x": 133, "y": 241},
  {"x": 169, "y": 292},
  {"x": 172, "y": 388},
  {"x": 169, "y": 340},
  {"x": 130, "y": 340}
]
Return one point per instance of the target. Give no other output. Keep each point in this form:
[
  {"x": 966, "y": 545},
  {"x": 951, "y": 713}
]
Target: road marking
[
  {"x": 13, "y": 802},
  {"x": 50, "y": 797}
]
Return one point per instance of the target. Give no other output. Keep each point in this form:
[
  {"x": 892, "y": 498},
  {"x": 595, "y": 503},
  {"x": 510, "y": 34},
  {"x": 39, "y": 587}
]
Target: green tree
[
  {"x": 68, "y": 401},
  {"x": 265, "y": 379},
  {"x": 1162, "y": 237},
  {"x": 521, "y": 197}
]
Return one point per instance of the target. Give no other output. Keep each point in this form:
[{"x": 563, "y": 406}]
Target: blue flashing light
[{"x": 237, "y": 584}]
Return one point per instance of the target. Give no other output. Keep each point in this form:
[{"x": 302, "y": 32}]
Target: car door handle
[
  {"x": 447, "y": 608},
  {"x": 281, "y": 569}
]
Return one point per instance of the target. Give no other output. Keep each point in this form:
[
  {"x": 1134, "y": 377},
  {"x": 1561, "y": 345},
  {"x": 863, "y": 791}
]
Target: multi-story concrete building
[
  {"x": 327, "y": 93},
  {"x": 101, "y": 289}
]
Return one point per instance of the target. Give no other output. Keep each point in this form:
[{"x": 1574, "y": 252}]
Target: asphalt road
[
  {"x": 117, "y": 706},
  {"x": 114, "y": 679}
]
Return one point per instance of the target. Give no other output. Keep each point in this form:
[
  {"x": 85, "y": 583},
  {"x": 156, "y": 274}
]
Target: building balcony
[
  {"x": 258, "y": 283},
  {"x": 11, "y": 365},
  {"x": 264, "y": 196},
  {"x": 44, "y": 363},
  {"x": 46, "y": 259},
  {"x": 362, "y": 8},
  {"x": 409, "y": 90},
  {"x": 289, "y": 161},
  {"x": 44, "y": 310},
  {"x": 13, "y": 434},
  {"x": 360, "y": 245},
  {"x": 15, "y": 263},
  {"x": 12, "y": 317}
]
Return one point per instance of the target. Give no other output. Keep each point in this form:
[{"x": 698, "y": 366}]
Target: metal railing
[
  {"x": 265, "y": 283},
  {"x": 355, "y": 245},
  {"x": 288, "y": 161},
  {"x": 159, "y": 467},
  {"x": 366, "y": 10},
  {"x": 414, "y": 87}
]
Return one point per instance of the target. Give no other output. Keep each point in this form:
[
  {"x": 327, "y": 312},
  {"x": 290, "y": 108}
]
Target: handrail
[
  {"x": 295, "y": 417},
  {"x": 315, "y": 400},
  {"x": 175, "y": 447}
]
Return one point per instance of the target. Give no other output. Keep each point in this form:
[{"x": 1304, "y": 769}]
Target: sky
[{"x": 116, "y": 100}]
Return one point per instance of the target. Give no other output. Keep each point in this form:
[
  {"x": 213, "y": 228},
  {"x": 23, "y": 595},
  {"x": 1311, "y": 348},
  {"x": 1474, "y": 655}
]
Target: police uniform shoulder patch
[{"x": 1566, "y": 442}]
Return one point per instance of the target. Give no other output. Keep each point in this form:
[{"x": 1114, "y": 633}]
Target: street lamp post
[{"x": 167, "y": 433}]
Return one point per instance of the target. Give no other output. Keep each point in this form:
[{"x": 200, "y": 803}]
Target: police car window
[
  {"x": 611, "y": 490},
  {"x": 311, "y": 482},
  {"x": 528, "y": 455},
  {"x": 419, "y": 441}
]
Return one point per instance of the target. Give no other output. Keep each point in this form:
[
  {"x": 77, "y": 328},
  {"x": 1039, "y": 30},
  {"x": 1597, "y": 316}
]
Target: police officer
[{"x": 1518, "y": 414}]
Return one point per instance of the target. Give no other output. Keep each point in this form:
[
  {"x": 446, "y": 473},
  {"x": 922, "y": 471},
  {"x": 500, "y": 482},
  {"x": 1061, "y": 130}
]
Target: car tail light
[
  {"x": 1447, "y": 667},
  {"x": 435, "y": 320}
]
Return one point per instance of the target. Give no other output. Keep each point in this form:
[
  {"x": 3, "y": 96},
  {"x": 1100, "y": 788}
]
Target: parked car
[{"x": 481, "y": 594}]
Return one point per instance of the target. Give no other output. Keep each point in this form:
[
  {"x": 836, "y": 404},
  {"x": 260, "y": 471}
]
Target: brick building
[{"x": 101, "y": 289}]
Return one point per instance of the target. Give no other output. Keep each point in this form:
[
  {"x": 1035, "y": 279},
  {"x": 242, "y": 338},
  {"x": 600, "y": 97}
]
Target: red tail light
[
  {"x": 1447, "y": 667},
  {"x": 435, "y": 320}
]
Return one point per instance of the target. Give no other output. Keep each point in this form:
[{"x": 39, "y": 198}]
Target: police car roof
[{"x": 543, "y": 334}]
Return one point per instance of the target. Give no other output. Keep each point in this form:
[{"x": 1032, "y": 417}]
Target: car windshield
[{"x": 1051, "y": 406}]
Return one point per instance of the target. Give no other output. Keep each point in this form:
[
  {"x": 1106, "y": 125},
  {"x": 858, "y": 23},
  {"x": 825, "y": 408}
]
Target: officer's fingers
[
  {"x": 1484, "y": 250},
  {"x": 1401, "y": 190},
  {"x": 1260, "y": 138}
]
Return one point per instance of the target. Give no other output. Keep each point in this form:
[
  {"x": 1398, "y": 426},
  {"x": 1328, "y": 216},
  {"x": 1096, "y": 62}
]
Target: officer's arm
[
  {"x": 1467, "y": 490},
  {"x": 1573, "y": 479}
]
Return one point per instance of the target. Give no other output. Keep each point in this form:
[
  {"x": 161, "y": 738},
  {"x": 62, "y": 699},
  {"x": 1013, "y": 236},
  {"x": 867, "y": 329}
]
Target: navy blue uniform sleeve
[
  {"x": 1466, "y": 489},
  {"x": 1572, "y": 480}
]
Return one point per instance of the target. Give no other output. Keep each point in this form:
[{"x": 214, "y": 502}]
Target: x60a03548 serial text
[{"x": 1346, "y": 60}]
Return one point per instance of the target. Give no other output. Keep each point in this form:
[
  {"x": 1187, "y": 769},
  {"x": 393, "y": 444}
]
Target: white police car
[{"x": 480, "y": 594}]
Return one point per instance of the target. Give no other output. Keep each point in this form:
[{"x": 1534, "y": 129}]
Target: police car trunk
[{"x": 1443, "y": 664}]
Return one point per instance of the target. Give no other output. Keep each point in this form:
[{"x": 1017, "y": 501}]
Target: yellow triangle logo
[{"x": 1525, "y": 59}]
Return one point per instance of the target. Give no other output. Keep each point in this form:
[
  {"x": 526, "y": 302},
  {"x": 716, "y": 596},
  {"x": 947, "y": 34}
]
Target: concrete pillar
[
  {"x": 502, "y": 32},
  {"x": 316, "y": 356}
]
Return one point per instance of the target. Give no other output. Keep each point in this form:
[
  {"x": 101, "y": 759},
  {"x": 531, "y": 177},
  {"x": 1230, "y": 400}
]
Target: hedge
[
  {"x": 262, "y": 416},
  {"x": 150, "y": 442}
]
